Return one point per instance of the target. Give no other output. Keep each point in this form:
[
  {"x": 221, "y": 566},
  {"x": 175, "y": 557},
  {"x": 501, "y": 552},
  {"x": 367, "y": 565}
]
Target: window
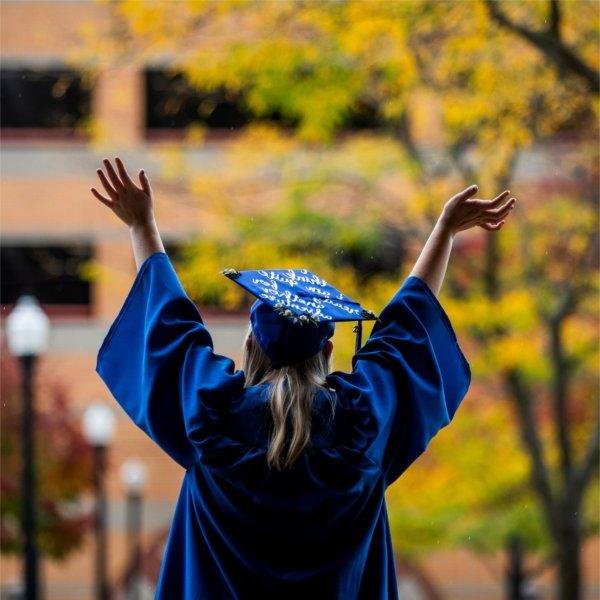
[
  {"x": 172, "y": 104},
  {"x": 46, "y": 100},
  {"x": 52, "y": 273}
]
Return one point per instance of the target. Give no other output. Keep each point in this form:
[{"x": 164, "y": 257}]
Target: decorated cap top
[
  {"x": 300, "y": 294},
  {"x": 295, "y": 312}
]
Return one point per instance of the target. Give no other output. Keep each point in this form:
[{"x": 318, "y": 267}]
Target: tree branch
[
  {"x": 567, "y": 306},
  {"x": 560, "y": 376},
  {"x": 402, "y": 131},
  {"x": 549, "y": 43},
  {"x": 540, "y": 477},
  {"x": 588, "y": 465},
  {"x": 554, "y": 19}
]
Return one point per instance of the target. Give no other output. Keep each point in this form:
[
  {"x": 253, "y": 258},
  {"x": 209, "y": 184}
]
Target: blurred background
[{"x": 318, "y": 134}]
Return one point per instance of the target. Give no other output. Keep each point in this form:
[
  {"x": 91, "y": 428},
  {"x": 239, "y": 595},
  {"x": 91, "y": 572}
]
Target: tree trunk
[
  {"x": 569, "y": 558},
  {"x": 515, "y": 578}
]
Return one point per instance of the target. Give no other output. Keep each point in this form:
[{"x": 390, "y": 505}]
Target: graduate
[{"x": 286, "y": 463}]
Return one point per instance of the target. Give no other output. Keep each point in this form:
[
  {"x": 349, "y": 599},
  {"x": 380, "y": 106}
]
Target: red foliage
[{"x": 63, "y": 466}]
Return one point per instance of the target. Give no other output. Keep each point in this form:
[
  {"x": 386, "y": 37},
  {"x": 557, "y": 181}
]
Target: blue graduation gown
[{"x": 319, "y": 530}]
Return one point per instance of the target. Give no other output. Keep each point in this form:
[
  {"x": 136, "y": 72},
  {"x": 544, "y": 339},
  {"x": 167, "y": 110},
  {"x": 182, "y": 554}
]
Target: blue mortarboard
[{"x": 296, "y": 311}]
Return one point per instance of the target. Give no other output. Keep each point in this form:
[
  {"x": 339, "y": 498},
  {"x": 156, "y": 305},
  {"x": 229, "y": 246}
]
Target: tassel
[{"x": 358, "y": 331}]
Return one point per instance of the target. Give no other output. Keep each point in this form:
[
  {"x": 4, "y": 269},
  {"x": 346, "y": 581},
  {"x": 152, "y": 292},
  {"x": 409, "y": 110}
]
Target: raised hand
[
  {"x": 463, "y": 211},
  {"x": 132, "y": 204}
]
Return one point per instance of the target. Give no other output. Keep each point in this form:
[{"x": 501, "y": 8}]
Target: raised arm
[
  {"x": 461, "y": 212},
  {"x": 410, "y": 377},
  {"x": 134, "y": 206},
  {"x": 157, "y": 358}
]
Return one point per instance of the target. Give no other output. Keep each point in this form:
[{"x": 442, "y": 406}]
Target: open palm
[
  {"x": 132, "y": 204},
  {"x": 463, "y": 211}
]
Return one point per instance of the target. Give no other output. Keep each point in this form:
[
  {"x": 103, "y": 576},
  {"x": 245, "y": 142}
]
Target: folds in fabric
[
  {"x": 407, "y": 381},
  {"x": 158, "y": 362}
]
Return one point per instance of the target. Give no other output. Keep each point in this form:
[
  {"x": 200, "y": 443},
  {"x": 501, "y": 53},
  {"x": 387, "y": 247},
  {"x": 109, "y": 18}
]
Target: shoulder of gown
[
  {"x": 158, "y": 362},
  {"x": 406, "y": 382}
]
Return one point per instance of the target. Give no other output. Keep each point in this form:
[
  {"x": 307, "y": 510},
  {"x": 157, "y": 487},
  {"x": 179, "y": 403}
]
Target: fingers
[
  {"x": 117, "y": 183},
  {"x": 494, "y": 219},
  {"x": 495, "y": 201},
  {"x": 492, "y": 226},
  {"x": 123, "y": 172},
  {"x": 101, "y": 197},
  {"x": 144, "y": 182},
  {"x": 109, "y": 189},
  {"x": 501, "y": 210},
  {"x": 466, "y": 193}
]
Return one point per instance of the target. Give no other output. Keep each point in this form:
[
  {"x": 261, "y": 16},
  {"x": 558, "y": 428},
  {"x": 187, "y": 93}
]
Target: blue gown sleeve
[
  {"x": 407, "y": 381},
  {"x": 158, "y": 362}
]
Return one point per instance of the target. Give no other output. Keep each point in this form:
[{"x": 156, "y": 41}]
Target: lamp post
[
  {"x": 98, "y": 427},
  {"x": 515, "y": 576},
  {"x": 133, "y": 475},
  {"x": 27, "y": 330}
]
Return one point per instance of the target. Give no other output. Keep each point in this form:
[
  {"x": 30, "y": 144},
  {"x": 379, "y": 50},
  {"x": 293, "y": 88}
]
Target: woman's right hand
[
  {"x": 463, "y": 211},
  {"x": 132, "y": 204}
]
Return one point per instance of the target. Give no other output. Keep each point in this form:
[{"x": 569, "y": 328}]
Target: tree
[
  {"x": 549, "y": 40},
  {"x": 497, "y": 81},
  {"x": 63, "y": 467}
]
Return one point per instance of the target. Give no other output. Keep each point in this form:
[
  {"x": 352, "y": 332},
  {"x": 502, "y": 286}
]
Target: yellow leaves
[
  {"x": 462, "y": 113},
  {"x": 204, "y": 70},
  {"x": 485, "y": 90},
  {"x": 393, "y": 108},
  {"x": 558, "y": 256},
  {"x": 369, "y": 32},
  {"x": 317, "y": 19},
  {"x": 526, "y": 353},
  {"x": 458, "y": 458},
  {"x": 515, "y": 311},
  {"x": 510, "y": 326},
  {"x": 580, "y": 338},
  {"x": 559, "y": 209},
  {"x": 163, "y": 22},
  {"x": 269, "y": 145}
]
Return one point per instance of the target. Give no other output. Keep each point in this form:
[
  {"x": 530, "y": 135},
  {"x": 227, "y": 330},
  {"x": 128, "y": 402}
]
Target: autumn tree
[
  {"x": 63, "y": 469},
  {"x": 493, "y": 80}
]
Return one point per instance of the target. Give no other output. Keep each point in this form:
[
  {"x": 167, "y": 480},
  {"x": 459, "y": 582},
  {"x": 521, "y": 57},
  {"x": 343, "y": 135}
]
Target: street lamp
[
  {"x": 27, "y": 330},
  {"x": 134, "y": 475},
  {"x": 98, "y": 428}
]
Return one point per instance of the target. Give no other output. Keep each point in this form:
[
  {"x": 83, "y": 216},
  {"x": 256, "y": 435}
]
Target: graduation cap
[{"x": 295, "y": 311}]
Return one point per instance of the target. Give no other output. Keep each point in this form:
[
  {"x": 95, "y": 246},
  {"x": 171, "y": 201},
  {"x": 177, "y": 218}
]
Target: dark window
[
  {"x": 51, "y": 273},
  {"x": 172, "y": 103},
  {"x": 365, "y": 115},
  {"x": 42, "y": 98}
]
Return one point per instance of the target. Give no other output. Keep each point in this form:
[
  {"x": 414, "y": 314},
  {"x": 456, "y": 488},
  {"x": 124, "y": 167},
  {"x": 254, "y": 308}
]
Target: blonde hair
[{"x": 291, "y": 393}]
